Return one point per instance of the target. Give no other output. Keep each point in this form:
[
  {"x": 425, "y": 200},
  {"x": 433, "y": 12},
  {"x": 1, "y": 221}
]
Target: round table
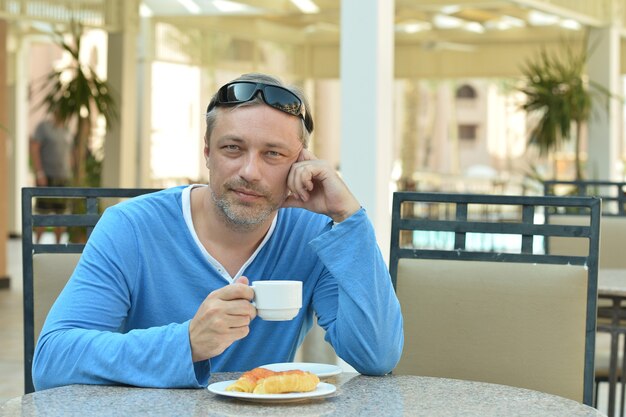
[{"x": 356, "y": 395}]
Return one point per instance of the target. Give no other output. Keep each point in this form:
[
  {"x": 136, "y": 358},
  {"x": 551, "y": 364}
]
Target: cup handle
[{"x": 253, "y": 301}]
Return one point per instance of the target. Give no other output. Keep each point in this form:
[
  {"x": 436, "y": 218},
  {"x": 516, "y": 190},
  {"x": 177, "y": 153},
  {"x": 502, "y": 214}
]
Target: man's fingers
[
  {"x": 242, "y": 280},
  {"x": 293, "y": 201},
  {"x": 302, "y": 177},
  {"x": 299, "y": 183},
  {"x": 235, "y": 321},
  {"x": 239, "y": 308},
  {"x": 235, "y": 291},
  {"x": 306, "y": 155}
]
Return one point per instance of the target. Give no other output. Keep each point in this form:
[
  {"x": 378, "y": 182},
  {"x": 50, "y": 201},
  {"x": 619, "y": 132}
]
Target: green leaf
[
  {"x": 69, "y": 90},
  {"x": 555, "y": 88}
]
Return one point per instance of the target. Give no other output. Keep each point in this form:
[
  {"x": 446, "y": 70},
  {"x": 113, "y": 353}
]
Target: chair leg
[{"x": 622, "y": 378}]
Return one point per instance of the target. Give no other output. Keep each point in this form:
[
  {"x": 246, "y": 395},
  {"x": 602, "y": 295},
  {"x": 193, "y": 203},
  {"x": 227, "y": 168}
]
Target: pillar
[
  {"x": 366, "y": 72},
  {"x": 120, "y": 148},
  {"x": 4, "y": 160},
  {"x": 604, "y": 151}
]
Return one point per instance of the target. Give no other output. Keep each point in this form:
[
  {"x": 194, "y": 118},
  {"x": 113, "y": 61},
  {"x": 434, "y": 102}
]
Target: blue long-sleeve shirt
[{"x": 123, "y": 317}]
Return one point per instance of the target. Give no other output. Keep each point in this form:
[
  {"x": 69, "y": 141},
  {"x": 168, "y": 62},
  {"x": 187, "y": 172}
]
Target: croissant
[
  {"x": 248, "y": 380},
  {"x": 287, "y": 381}
]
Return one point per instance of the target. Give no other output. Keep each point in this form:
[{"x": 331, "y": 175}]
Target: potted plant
[
  {"x": 556, "y": 87},
  {"x": 77, "y": 93}
]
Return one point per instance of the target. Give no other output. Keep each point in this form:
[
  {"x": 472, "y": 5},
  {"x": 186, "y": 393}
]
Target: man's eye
[
  {"x": 231, "y": 147},
  {"x": 273, "y": 154}
]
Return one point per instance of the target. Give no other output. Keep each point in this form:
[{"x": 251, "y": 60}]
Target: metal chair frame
[
  {"x": 610, "y": 192},
  {"x": 30, "y": 220},
  {"x": 591, "y": 188},
  {"x": 529, "y": 205}
]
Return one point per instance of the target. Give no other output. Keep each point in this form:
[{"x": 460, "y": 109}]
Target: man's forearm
[
  {"x": 156, "y": 357},
  {"x": 367, "y": 329},
  {"x": 35, "y": 155}
]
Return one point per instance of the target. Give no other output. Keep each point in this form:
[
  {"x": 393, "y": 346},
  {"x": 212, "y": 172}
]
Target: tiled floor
[{"x": 11, "y": 333}]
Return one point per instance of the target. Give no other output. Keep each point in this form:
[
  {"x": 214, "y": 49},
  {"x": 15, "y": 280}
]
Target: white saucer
[
  {"x": 322, "y": 370},
  {"x": 323, "y": 389}
]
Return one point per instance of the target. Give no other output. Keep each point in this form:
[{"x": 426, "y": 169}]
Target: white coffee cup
[{"x": 277, "y": 300}]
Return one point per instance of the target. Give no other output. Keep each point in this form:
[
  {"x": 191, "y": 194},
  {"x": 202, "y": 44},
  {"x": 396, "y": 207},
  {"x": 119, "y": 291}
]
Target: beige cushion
[
  {"x": 514, "y": 324},
  {"x": 612, "y": 240},
  {"x": 51, "y": 271},
  {"x": 603, "y": 355}
]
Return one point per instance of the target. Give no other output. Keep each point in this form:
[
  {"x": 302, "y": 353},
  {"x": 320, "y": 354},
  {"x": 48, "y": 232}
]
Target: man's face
[{"x": 250, "y": 153}]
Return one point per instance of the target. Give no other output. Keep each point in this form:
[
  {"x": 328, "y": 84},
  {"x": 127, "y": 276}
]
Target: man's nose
[{"x": 251, "y": 168}]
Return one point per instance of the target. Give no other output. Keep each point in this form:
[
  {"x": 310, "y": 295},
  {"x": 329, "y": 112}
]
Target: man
[
  {"x": 161, "y": 296},
  {"x": 51, "y": 155}
]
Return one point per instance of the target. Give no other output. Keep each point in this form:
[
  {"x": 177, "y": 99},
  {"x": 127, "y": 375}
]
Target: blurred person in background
[{"x": 51, "y": 156}]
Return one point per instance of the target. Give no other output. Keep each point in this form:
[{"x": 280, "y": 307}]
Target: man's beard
[{"x": 239, "y": 215}]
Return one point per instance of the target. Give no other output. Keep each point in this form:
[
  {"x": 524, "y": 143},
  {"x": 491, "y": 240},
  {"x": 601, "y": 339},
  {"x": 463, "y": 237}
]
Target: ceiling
[
  {"x": 436, "y": 37},
  {"x": 437, "y": 24},
  {"x": 433, "y": 38}
]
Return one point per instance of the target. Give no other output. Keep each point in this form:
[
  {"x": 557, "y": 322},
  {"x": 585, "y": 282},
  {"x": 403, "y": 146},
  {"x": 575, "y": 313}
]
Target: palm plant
[
  {"x": 76, "y": 92},
  {"x": 556, "y": 88}
]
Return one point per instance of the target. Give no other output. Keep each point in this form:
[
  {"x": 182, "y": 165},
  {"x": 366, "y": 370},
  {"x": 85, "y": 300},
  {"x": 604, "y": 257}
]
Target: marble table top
[{"x": 356, "y": 395}]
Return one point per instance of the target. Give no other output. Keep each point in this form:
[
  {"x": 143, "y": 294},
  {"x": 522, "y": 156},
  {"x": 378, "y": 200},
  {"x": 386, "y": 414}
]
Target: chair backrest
[
  {"x": 612, "y": 240},
  {"x": 47, "y": 267},
  {"x": 612, "y": 193},
  {"x": 513, "y": 316},
  {"x": 612, "y": 226},
  {"x": 50, "y": 274}
]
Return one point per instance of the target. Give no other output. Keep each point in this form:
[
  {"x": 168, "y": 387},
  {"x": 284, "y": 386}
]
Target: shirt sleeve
[
  {"x": 355, "y": 300},
  {"x": 39, "y": 133},
  {"x": 82, "y": 341}
]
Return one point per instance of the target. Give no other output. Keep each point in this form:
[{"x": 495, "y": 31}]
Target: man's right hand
[
  {"x": 41, "y": 180},
  {"x": 223, "y": 317}
]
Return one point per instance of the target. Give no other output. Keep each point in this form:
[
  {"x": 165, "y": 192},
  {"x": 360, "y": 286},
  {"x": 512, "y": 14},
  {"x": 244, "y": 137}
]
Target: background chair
[
  {"x": 47, "y": 267},
  {"x": 513, "y": 316},
  {"x": 612, "y": 227},
  {"x": 612, "y": 243}
]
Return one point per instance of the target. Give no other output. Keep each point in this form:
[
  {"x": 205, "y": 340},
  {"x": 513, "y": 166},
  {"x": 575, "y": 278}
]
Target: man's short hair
[{"x": 211, "y": 116}]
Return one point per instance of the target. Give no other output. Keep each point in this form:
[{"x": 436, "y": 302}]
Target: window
[
  {"x": 467, "y": 132},
  {"x": 466, "y": 91}
]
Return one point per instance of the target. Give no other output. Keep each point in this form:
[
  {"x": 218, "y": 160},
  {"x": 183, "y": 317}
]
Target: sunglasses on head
[{"x": 273, "y": 95}]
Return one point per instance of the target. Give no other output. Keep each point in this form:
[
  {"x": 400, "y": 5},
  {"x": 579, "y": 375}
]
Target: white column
[
  {"x": 4, "y": 172},
  {"x": 19, "y": 127},
  {"x": 120, "y": 166},
  {"x": 604, "y": 126},
  {"x": 366, "y": 62},
  {"x": 327, "y": 114},
  {"x": 144, "y": 104}
]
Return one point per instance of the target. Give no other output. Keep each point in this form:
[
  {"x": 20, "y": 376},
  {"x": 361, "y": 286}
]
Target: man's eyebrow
[
  {"x": 229, "y": 138},
  {"x": 277, "y": 145},
  {"x": 237, "y": 139}
]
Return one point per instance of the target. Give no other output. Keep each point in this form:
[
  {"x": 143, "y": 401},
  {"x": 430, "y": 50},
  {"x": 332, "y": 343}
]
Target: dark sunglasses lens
[
  {"x": 282, "y": 100},
  {"x": 237, "y": 92}
]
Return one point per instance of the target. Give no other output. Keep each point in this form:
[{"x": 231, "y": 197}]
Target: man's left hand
[{"x": 316, "y": 186}]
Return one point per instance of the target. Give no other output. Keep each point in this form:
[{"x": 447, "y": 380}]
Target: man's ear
[{"x": 206, "y": 152}]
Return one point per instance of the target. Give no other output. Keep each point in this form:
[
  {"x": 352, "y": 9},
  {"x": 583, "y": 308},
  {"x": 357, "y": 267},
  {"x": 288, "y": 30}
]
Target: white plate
[
  {"x": 322, "y": 370},
  {"x": 322, "y": 390}
]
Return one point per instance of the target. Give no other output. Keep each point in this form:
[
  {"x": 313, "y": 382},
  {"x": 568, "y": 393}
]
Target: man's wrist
[{"x": 338, "y": 218}]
